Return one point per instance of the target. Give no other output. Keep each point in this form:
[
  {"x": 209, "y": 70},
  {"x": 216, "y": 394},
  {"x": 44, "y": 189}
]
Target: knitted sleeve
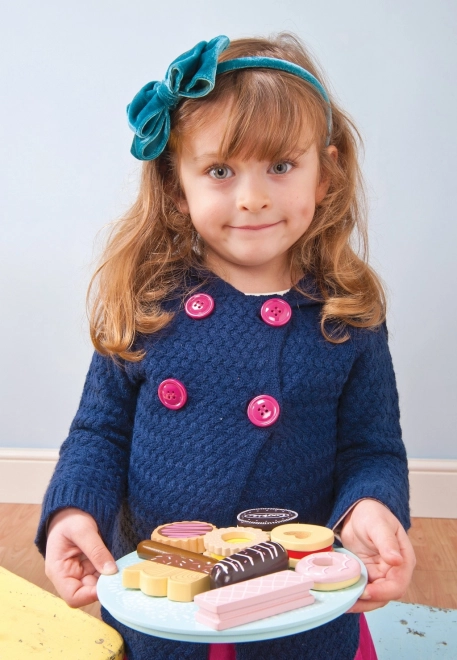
[
  {"x": 371, "y": 457},
  {"x": 91, "y": 473}
]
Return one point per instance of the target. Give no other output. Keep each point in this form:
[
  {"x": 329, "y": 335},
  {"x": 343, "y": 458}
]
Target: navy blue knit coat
[{"x": 134, "y": 464}]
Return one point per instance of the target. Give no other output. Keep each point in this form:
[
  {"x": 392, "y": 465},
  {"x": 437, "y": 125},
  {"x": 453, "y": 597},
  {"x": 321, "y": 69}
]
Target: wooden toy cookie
[
  {"x": 253, "y": 600},
  {"x": 266, "y": 518},
  {"x": 329, "y": 571},
  {"x": 300, "y": 540},
  {"x": 158, "y": 580},
  {"x": 226, "y": 541},
  {"x": 252, "y": 562},
  {"x": 164, "y": 554},
  {"x": 187, "y": 535}
]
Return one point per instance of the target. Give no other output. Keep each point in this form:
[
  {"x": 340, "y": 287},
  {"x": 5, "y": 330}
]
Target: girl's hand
[
  {"x": 76, "y": 556},
  {"x": 375, "y": 535}
]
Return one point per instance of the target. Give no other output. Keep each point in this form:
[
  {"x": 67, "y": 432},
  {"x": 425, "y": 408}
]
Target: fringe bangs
[{"x": 266, "y": 119}]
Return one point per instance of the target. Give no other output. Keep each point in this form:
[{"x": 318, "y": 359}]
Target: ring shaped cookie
[
  {"x": 330, "y": 571},
  {"x": 226, "y": 541},
  {"x": 303, "y": 538}
]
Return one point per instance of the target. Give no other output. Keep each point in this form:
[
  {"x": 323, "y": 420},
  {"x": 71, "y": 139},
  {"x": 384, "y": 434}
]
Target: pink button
[
  {"x": 172, "y": 393},
  {"x": 199, "y": 306},
  {"x": 276, "y": 311},
  {"x": 263, "y": 410}
]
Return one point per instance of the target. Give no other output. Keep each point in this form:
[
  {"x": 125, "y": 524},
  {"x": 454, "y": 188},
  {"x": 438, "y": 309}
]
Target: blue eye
[
  {"x": 281, "y": 168},
  {"x": 220, "y": 172}
]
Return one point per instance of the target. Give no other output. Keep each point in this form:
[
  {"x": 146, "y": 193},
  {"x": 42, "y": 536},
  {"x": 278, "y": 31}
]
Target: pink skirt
[{"x": 366, "y": 650}]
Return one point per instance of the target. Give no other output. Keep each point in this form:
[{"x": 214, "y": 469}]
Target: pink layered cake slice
[{"x": 252, "y": 600}]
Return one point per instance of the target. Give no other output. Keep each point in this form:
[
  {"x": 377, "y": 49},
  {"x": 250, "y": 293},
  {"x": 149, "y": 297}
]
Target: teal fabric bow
[{"x": 190, "y": 75}]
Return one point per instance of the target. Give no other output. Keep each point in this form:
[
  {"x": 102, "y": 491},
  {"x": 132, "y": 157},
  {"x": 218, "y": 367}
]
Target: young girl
[{"x": 241, "y": 352}]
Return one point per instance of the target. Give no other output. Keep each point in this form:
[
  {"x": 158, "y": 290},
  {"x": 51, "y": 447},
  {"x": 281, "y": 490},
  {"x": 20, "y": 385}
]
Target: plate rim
[{"x": 236, "y": 634}]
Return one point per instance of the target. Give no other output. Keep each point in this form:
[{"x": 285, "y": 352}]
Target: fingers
[
  {"x": 370, "y": 530},
  {"x": 378, "y": 538},
  {"x": 366, "y": 606},
  {"x": 393, "y": 584},
  {"x": 385, "y": 538},
  {"x": 77, "y": 593},
  {"x": 72, "y": 582},
  {"x": 406, "y": 549},
  {"x": 78, "y": 581},
  {"x": 76, "y": 556},
  {"x": 391, "y": 587},
  {"x": 398, "y": 577},
  {"x": 97, "y": 553}
]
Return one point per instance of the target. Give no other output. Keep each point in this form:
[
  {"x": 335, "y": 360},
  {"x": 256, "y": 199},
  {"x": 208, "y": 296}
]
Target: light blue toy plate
[{"x": 164, "y": 618}]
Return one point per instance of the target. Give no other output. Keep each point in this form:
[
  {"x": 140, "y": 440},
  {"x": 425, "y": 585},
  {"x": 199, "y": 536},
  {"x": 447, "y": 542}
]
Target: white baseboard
[
  {"x": 25, "y": 473},
  {"x": 433, "y": 485}
]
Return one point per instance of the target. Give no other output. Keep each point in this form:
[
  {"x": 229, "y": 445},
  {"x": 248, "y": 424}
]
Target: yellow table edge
[{"x": 35, "y": 623}]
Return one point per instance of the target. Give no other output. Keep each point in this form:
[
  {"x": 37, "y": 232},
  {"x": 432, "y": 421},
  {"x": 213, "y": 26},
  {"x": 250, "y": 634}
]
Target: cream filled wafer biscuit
[
  {"x": 252, "y": 562},
  {"x": 253, "y": 599},
  {"x": 187, "y": 535},
  {"x": 227, "y": 541},
  {"x": 247, "y": 615},
  {"x": 158, "y": 580},
  {"x": 153, "y": 549},
  {"x": 266, "y": 518},
  {"x": 330, "y": 571},
  {"x": 255, "y": 592}
]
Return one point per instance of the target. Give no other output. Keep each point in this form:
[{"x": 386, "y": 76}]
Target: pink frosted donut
[{"x": 329, "y": 570}]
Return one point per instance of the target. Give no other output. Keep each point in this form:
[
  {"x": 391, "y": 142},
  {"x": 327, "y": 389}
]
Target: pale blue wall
[{"x": 67, "y": 72}]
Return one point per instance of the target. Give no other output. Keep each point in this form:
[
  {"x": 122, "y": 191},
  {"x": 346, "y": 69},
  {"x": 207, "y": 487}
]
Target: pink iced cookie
[
  {"x": 330, "y": 571},
  {"x": 253, "y": 600},
  {"x": 187, "y": 535}
]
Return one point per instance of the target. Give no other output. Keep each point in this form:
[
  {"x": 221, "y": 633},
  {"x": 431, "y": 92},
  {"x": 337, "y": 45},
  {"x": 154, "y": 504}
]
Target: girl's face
[{"x": 248, "y": 212}]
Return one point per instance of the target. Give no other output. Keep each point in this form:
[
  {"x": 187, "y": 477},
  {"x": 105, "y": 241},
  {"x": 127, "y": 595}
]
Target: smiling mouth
[{"x": 257, "y": 227}]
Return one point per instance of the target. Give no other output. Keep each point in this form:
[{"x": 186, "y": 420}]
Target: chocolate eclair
[{"x": 252, "y": 562}]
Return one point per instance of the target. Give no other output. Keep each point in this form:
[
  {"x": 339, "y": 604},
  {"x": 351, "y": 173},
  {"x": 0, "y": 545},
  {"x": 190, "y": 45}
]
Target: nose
[{"x": 253, "y": 194}]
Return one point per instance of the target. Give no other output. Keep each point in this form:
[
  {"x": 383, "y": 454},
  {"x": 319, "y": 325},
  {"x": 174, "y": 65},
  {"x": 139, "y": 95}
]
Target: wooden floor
[{"x": 434, "y": 540}]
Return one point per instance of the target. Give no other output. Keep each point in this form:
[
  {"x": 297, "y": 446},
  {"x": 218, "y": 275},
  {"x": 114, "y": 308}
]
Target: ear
[
  {"x": 179, "y": 198},
  {"x": 173, "y": 187},
  {"x": 323, "y": 185},
  {"x": 182, "y": 205}
]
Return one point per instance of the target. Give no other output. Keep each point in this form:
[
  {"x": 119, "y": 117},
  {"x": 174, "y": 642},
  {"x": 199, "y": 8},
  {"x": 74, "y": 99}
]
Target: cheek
[
  {"x": 204, "y": 208},
  {"x": 300, "y": 200},
  {"x": 202, "y": 217},
  {"x": 303, "y": 210}
]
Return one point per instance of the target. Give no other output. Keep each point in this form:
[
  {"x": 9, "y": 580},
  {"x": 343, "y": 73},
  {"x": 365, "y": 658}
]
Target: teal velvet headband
[{"x": 192, "y": 75}]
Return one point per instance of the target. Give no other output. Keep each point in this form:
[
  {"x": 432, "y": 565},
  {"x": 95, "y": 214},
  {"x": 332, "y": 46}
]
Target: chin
[{"x": 252, "y": 263}]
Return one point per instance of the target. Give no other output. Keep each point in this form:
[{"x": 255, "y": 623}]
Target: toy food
[
  {"x": 265, "y": 518},
  {"x": 252, "y": 562},
  {"x": 183, "y": 562},
  {"x": 187, "y": 535},
  {"x": 157, "y": 580},
  {"x": 226, "y": 541},
  {"x": 330, "y": 571},
  {"x": 253, "y": 600},
  {"x": 174, "y": 556},
  {"x": 300, "y": 540}
]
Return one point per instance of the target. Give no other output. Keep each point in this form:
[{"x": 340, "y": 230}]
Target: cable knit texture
[{"x": 134, "y": 464}]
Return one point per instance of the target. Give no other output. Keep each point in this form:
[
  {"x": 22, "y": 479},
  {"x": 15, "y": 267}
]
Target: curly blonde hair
[{"x": 152, "y": 249}]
